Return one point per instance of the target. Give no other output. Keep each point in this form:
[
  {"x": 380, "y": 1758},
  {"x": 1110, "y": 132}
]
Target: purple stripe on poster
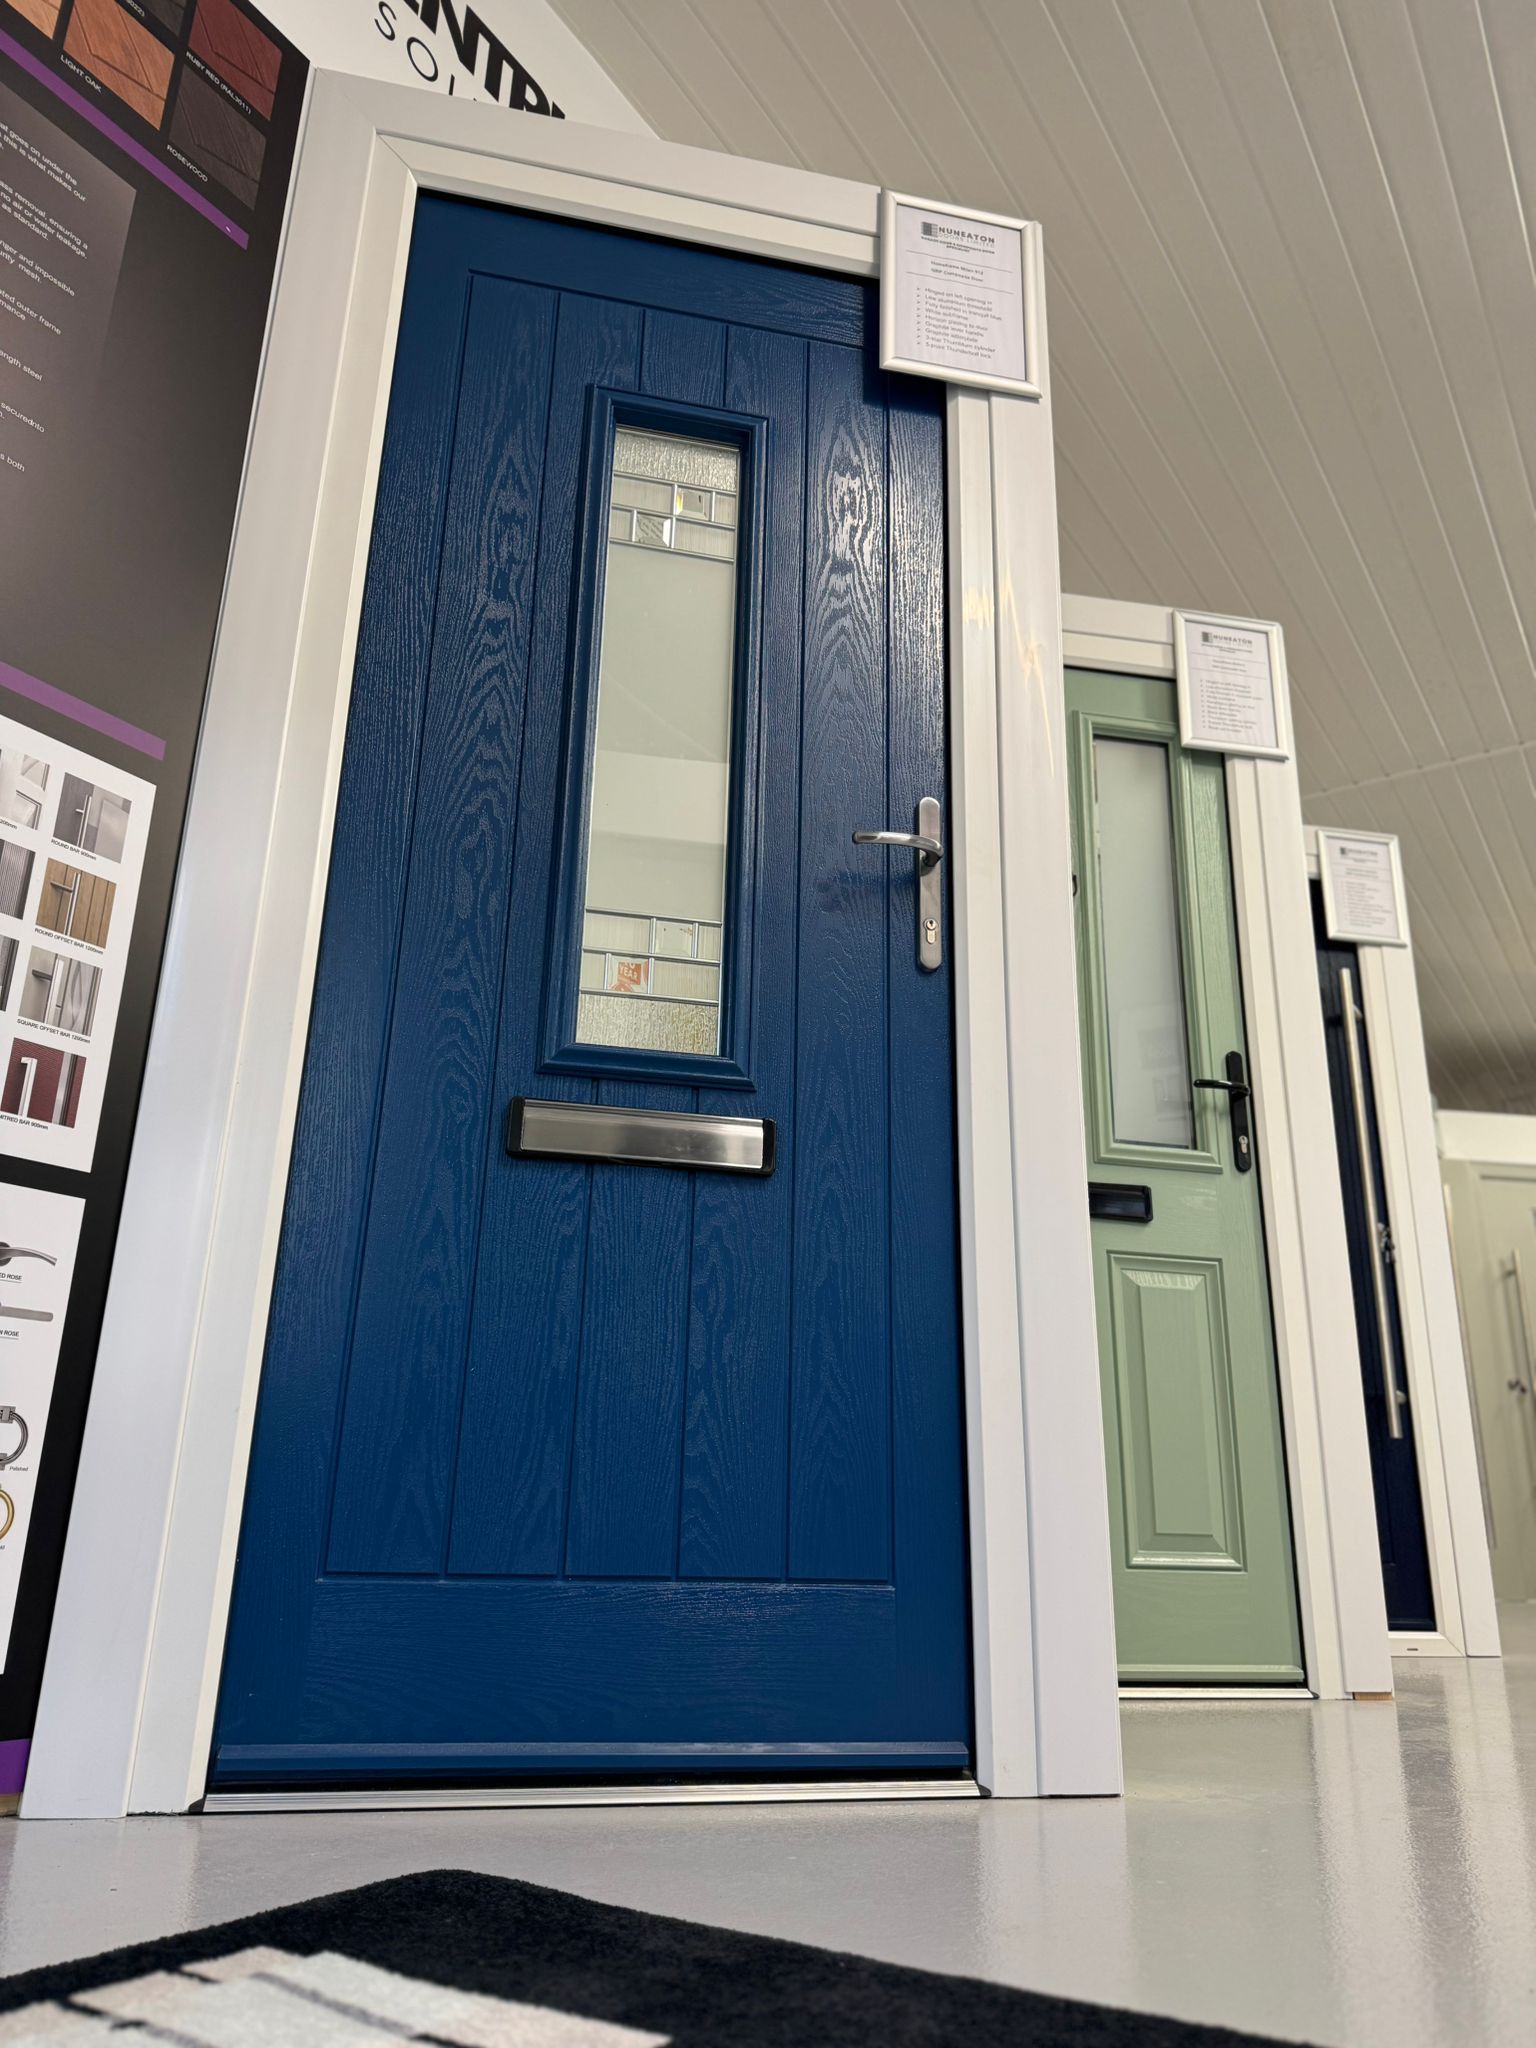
[
  {"x": 125, "y": 142},
  {"x": 82, "y": 713},
  {"x": 13, "y": 1766}
]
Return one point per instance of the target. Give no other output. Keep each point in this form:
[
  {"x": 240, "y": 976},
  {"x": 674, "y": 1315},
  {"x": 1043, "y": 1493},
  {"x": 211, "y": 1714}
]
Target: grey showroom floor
[{"x": 1340, "y": 1874}]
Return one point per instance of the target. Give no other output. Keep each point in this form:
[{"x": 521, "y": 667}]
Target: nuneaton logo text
[{"x": 478, "y": 52}]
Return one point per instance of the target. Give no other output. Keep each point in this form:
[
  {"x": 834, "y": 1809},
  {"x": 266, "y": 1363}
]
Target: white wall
[
  {"x": 1496, "y": 1140},
  {"x": 525, "y": 56}
]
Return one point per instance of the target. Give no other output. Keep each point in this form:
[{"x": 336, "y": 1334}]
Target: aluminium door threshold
[
  {"x": 1297, "y": 1695},
  {"x": 420, "y": 1798}
]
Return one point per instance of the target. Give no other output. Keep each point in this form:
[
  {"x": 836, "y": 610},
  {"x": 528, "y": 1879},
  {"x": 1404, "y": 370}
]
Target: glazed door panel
[
  {"x": 564, "y": 1467},
  {"x": 1200, "y": 1520}
]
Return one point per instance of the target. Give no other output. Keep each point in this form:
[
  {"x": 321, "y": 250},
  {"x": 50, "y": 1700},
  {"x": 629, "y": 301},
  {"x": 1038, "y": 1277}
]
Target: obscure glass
[
  {"x": 655, "y": 894},
  {"x": 1147, "y": 1035}
]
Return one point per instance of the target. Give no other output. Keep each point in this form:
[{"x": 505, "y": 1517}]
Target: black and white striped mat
[{"x": 460, "y": 1960}]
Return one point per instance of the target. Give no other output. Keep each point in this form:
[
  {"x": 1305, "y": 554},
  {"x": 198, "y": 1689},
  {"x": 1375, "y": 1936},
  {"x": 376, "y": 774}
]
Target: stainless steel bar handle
[
  {"x": 926, "y": 844},
  {"x": 1390, "y": 1389},
  {"x": 1515, "y": 1271}
]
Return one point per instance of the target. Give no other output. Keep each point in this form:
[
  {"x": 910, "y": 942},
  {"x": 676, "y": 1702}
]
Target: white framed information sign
[
  {"x": 1233, "y": 694},
  {"x": 957, "y": 295},
  {"x": 1362, "y": 878}
]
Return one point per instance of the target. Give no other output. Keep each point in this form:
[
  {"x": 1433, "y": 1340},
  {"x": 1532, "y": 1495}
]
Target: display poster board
[
  {"x": 1233, "y": 694},
  {"x": 146, "y": 148},
  {"x": 1362, "y": 879},
  {"x": 957, "y": 295}
]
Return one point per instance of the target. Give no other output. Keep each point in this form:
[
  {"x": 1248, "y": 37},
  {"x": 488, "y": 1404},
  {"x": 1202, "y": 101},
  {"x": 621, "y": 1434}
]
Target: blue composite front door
[{"x": 566, "y": 1466}]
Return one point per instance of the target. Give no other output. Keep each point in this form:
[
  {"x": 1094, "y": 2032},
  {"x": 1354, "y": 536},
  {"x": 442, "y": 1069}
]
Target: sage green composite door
[{"x": 1205, "y": 1589}]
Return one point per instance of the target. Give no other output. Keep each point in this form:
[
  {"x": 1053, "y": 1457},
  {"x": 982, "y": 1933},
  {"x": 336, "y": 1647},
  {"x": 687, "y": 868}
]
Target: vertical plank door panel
[
  {"x": 839, "y": 1500},
  {"x": 514, "y": 1455},
  {"x": 418, "y": 1269}
]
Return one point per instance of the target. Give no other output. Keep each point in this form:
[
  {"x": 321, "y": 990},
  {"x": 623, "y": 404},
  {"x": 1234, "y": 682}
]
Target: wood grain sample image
[
  {"x": 218, "y": 137},
  {"x": 129, "y": 59},
  {"x": 43, "y": 1082},
  {"x": 43, "y": 14},
  {"x": 231, "y": 44},
  {"x": 15, "y": 874},
  {"x": 169, "y": 13},
  {"x": 75, "y": 903}
]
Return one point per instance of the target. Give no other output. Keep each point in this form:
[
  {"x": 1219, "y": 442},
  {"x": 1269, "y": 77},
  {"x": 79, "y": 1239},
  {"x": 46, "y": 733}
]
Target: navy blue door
[
  {"x": 590, "y": 1468},
  {"x": 1394, "y": 1460}
]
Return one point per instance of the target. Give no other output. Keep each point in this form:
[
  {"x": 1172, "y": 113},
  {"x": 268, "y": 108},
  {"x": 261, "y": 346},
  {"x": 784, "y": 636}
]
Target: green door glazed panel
[{"x": 1205, "y": 1589}]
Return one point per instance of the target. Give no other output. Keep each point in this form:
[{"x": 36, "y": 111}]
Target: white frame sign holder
[
  {"x": 1234, "y": 693},
  {"x": 137, "y": 1646},
  {"x": 1364, "y": 902},
  {"x": 959, "y": 295}
]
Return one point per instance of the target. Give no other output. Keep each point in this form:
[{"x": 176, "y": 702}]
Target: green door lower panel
[{"x": 1205, "y": 1589}]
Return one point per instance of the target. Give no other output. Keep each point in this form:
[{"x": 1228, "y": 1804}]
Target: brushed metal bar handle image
[
  {"x": 926, "y": 845},
  {"x": 15, "y": 1417},
  {"x": 1514, "y": 1270},
  {"x": 1393, "y": 1394},
  {"x": 21, "y": 1251},
  {"x": 25, "y": 1315}
]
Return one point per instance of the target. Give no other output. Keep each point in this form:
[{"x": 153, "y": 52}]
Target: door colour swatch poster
[
  {"x": 146, "y": 150},
  {"x": 38, "y": 1235},
  {"x": 72, "y": 836}
]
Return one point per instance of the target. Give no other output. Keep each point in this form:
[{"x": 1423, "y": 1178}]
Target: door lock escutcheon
[
  {"x": 926, "y": 845},
  {"x": 1239, "y": 1095}
]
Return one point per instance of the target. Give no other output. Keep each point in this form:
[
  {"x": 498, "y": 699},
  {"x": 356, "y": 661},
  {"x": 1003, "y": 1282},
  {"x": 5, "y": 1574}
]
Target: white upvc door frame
[
  {"x": 1434, "y": 1358},
  {"x": 135, "y": 1654},
  {"x": 1333, "y": 1518}
]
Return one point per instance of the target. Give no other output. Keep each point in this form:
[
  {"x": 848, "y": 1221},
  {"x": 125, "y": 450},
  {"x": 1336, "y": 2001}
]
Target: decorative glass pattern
[
  {"x": 673, "y": 494},
  {"x": 661, "y": 763}
]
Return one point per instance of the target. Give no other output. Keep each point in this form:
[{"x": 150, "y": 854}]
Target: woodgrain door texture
[
  {"x": 1205, "y": 1588},
  {"x": 43, "y": 14},
  {"x": 234, "y": 49},
  {"x": 595, "y": 1469},
  {"x": 128, "y": 58},
  {"x": 216, "y": 135},
  {"x": 73, "y": 900},
  {"x": 1400, "y": 1526}
]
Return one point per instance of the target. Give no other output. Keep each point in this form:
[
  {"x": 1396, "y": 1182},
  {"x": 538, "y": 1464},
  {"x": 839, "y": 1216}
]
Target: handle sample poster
[
  {"x": 72, "y": 837},
  {"x": 146, "y": 148}
]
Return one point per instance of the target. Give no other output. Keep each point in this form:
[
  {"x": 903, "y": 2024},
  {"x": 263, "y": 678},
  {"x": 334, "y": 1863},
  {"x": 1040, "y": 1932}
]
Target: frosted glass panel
[
  {"x": 655, "y": 893},
  {"x": 1148, "y": 1035}
]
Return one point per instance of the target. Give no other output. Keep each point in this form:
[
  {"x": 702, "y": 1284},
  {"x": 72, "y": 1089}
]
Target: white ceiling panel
[{"x": 1293, "y": 337}]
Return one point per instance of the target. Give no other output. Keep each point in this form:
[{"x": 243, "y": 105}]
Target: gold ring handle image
[
  {"x": 7, "y": 1514},
  {"x": 14, "y": 1416},
  {"x": 21, "y": 1251}
]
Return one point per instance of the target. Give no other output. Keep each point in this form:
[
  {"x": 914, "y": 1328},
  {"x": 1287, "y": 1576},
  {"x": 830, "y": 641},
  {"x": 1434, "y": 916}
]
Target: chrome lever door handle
[
  {"x": 20, "y": 1251},
  {"x": 916, "y": 841},
  {"x": 926, "y": 844}
]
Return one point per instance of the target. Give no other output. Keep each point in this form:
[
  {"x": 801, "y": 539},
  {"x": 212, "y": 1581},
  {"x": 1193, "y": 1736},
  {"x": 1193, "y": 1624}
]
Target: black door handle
[{"x": 1239, "y": 1095}]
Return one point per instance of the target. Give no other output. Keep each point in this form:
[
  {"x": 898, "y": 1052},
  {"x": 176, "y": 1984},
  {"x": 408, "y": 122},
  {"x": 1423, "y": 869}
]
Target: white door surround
[
  {"x": 1338, "y": 1568},
  {"x": 134, "y": 1660}
]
